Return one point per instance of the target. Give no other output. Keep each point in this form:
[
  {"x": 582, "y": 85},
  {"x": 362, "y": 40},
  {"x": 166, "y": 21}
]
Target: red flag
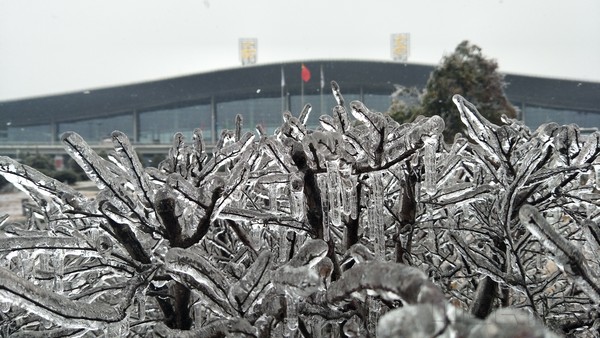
[{"x": 305, "y": 73}]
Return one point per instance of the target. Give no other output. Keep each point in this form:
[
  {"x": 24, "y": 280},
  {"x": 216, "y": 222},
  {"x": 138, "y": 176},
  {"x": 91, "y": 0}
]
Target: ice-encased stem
[
  {"x": 430, "y": 147},
  {"x": 58, "y": 257},
  {"x": 58, "y": 308}
]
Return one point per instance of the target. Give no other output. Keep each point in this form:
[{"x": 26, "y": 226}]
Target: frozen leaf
[
  {"x": 391, "y": 281},
  {"x": 246, "y": 292},
  {"x": 304, "y": 114},
  {"x": 479, "y": 128},
  {"x": 353, "y": 328},
  {"x": 310, "y": 253},
  {"x": 413, "y": 321},
  {"x": 589, "y": 150},
  {"x": 96, "y": 168},
  {"x": 567, "y": 255},
  {"x": 131, "y": 163},
  {"x": 207, "y": 279},
  {"x": 337, "y": 94},
  {"x": 507, "y": 322}
]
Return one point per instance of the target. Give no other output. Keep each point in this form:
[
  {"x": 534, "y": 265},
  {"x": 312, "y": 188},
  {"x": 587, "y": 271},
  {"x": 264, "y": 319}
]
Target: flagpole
[
  {"x": 282, "y": 91},
  {"x": 301, "y": 94},
  {"x": 322, "y": 87}
]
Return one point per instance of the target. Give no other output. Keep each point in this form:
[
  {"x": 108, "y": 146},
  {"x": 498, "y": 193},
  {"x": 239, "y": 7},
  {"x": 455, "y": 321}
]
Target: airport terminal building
[{"x": 151, "y": 112}]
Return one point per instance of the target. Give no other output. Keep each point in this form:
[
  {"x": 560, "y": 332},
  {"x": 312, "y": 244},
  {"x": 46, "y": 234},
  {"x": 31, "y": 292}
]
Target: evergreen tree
[{"x": 466, "y": 72}]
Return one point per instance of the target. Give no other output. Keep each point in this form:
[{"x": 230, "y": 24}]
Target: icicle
[
  {"x": 44, "y": 266},
  {"x": 431, "y": 144},
  {"x": 120, "y": 329},
  {"x": 58, "y": 257},
  {"x": 323, "y": 187},
  {"x": 26, "y": 263},
  {"x": 346, "y": 187},
  {"x": 5, "y": 306},
  {"x": 291, "y": 315},
  {"x": 256, "y": 233},
  {"x": 284, "y": 245},
  {"x": 199, "y": 314},
  {"x": 334, "y": 186},
  {"x": 353, "y": 327},
  {"x": 352, "y": 197},
  {"x": 375, "y": 214},
  {"x": 296, "y": 187},
  {"x": 273, "y": 198},
  {"x": 141, "y": 303},
  {"x": 373, "y": 316}
]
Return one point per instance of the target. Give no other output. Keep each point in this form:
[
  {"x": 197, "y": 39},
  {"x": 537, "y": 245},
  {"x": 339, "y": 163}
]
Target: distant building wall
[{"x": 150, "y": 113}]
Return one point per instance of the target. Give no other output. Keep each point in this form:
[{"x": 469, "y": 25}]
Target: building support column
[
  {"x": 136, "y": 126},
  {"x": 362, "y": 96},
  {"x": 213, "y": 120},
  {"x": 54, "y": 137}
]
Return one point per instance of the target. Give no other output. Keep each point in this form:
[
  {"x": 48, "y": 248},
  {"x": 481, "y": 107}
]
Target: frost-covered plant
[
  {"x": 484, "y": 253},
  {"x": 357, "y": 228}
]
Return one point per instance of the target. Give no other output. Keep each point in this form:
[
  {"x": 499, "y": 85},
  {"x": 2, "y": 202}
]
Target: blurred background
[{"x": 152, "y": 68}]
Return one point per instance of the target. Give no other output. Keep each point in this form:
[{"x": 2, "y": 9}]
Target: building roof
[{"x": 245, "y": 82}]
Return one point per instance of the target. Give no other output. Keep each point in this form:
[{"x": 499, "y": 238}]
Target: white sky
[{"x": 56, "y": 46}]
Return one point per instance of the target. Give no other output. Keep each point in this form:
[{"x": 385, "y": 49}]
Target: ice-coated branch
[
  {"x": 392, "y": 281},
  {"x": 569, "y": 257},
  {"x": 221, "y": 328},
  {"x": 203, "y": 277},
  {"x": 60, "y": 309},
  {"x": 40, "y": 187},
  {"x": 249, "y": 239}
]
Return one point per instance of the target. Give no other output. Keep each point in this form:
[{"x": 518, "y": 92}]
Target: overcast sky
[{"x": 56, "y": 46}]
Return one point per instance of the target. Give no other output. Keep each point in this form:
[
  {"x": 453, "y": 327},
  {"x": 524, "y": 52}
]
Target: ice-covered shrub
[{"x": 347, "y": 230}]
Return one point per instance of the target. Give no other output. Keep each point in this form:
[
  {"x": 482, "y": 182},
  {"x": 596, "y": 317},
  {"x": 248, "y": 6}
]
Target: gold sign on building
[
  {"x": 248, "y": 51},
  {"x": 400, "y": 46}
]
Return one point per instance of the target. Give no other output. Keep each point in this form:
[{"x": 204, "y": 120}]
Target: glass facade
[
  {"x": 30, "y": 134},
  {"x": 99, "y": 129},
  {"x": 263, "y": 111},
  {"x": 380, "y": 103},
  {"x": 159, "y": 126},
  {"x": 535, "y": 116}
]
